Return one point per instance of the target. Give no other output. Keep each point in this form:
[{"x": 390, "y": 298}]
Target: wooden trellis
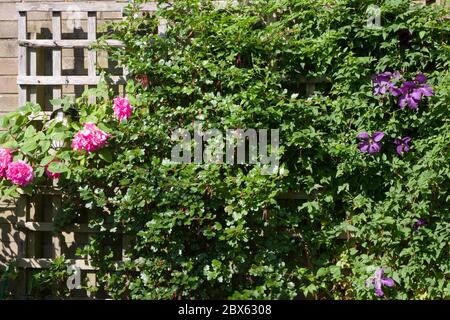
[
  {"x": 28, "y": 81},
  {"x": 39, "y": 243}
]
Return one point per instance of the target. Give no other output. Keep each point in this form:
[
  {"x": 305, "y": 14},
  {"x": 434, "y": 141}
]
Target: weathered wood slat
[
  {"x": 75, "y": 43},
  {"x": 56, "y": 54},
  {"x": 22, "y": 58},
  {"x": 92, "y": 55},
  {"x": 33, "y": 70},
  {"x": 43, "y": 263},
  {"x": 106, "y": 6},
  {"x": 65, "y": 80},
  {"x": 49, "y": 227}
]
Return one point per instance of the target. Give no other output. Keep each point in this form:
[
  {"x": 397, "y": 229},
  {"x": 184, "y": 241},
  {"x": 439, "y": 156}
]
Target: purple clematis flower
[
  {"x": 370, "y": 144},
  {"x": 411, "y": 92},
  {"x": 402, "y": 145},
  {"x": 420, "y": 222},
  {"x": 383, "y": 82},
  {"x": 378, "y": 281}
]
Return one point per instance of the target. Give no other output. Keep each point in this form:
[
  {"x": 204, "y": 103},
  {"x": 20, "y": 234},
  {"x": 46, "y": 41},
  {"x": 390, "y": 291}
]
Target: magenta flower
[
  {"x": 402, "y": 145},
  {"x": 378, "y": 281},
  {"x": 411, "y": 92},
  {"x": 370, "y": 144},
  {"x": 20, "y": 173},
  {"x": 5, "y": 159},
  {"x": 90, "y": 138},
  {"x": 122, "y": 108}
]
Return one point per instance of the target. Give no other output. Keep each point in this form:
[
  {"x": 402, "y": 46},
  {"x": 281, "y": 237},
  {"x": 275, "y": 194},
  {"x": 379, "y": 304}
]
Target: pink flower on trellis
[
  {"x": 5, "y": 159},
  {"x": 91, "y": 138},
  {"x": 20, "y": 173},
  {"x": 122, "y": 108}
]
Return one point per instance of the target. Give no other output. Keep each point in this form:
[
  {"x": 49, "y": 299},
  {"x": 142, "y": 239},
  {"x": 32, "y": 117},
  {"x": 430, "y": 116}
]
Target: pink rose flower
[
  {"x": 122, "y": 108},
  {"x": 5, "y": 159},
  {"x": 20, "y": 173},
  {"x": 90, "y": 138},
  {"x": 52, "y": 175}
]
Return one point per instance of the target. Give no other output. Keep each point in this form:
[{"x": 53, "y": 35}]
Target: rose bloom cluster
[
  {"x": 90, "y": 139},
  {"x": 19, "y": 172}
]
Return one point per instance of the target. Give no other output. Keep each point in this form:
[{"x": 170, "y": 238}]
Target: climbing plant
[{"x": 369, "y": 150}]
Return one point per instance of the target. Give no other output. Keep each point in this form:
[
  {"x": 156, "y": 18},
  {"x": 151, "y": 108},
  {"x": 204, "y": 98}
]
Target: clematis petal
[
  {"x": 387, "y": 282},
  {"x": 363, "y": 135},
  {"x": 396, "y": 91},
  {"x": 379, "y": 273},
  {"x": 416, "y": 94},
  {"x": 377, "y": 136},
  {"x": 379, "y": 292},
  {"x": 397, "y": 75},
  {"x": 406, "y": 140},
  {"x": 426, "y": 90},
  {"x": 374, "y": 148},
  {"x": 402, "y": 102},
  {"x": 421, "y": 78},
  {"x": 412, "y": 104},
  {"x": 399, "y": 150},
  {"x": 364, "y": 146}
]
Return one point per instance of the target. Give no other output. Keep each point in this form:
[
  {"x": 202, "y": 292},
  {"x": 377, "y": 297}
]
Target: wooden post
[
  {"x": 56, "y": 203},
  {"x": 92, "y": 55},
  {"x": 56, "y": 53},
  {"x": 33, "y": 69},
  {"x": 310, "y": 87},
  {"x": 21, "y": 212},
  {"x": 22, "y": 35}
]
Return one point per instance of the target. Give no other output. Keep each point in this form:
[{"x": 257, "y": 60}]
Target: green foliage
[
  {"x": 219, "y": 231},
  {"x": 51, "y": 281}
]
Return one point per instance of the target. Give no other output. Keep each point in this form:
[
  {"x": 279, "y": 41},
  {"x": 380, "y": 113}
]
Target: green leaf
[
  {"x": 105, "y": 154},
  {"x": 4, "y": 122},
  {"x": 11, "y": 144},
  {"x": 30, "y": 132},
  {"x": 45, "y": 145},
  {"x": 57, "y": 167},
  {"x": 29, "y": 146},
  {"x": 46, "y": 160}
]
